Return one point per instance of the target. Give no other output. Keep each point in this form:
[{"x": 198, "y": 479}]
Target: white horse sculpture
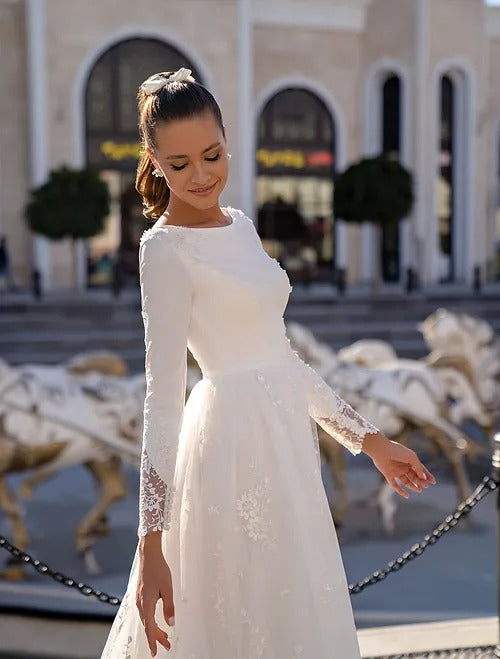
[{"x": 398, "y": 396}]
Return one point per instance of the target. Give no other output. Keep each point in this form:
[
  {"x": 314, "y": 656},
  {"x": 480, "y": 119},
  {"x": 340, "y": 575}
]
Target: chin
[{"x": 203, "y": 203}]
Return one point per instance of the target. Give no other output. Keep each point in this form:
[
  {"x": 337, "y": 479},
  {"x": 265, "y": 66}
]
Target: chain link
[
  {"x": 43, "y": 568},
  {"x": 483, "y": 652},
  {"x": 487, "y": 485}
]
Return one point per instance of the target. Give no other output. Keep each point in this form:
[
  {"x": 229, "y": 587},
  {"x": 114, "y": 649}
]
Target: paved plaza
[{"x": 456, "y": 578}]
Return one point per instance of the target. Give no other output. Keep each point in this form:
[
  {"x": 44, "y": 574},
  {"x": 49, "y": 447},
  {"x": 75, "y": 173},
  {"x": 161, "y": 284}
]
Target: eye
[
  {"x": 214, "y": 158},
  {"x": 177, "y": 168}
]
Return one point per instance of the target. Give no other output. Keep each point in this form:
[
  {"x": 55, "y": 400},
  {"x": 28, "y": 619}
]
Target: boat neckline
[{"x": 181, "y": 226}]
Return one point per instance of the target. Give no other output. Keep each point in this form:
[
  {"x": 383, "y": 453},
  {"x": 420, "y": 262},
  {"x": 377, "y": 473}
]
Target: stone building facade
[{"x": 306, "y": 87}]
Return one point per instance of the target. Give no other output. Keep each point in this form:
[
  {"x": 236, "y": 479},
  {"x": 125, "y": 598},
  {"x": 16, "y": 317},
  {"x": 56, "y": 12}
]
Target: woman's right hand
[{"x": 155, "y": 582}]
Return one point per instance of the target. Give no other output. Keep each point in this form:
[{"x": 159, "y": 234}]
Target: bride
[{"x": 237, "y": 554}]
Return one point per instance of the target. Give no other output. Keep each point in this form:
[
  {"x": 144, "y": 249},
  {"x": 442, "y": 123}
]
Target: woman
[{"x": 235, "y": 533}]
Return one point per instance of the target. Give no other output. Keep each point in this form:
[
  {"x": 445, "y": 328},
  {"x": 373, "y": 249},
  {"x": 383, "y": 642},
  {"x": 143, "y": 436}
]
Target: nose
[{"x": 200, "y": 177}]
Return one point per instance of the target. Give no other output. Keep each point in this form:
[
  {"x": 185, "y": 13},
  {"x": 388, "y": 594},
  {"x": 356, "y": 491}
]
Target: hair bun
[{"x": 158, "y": 81}]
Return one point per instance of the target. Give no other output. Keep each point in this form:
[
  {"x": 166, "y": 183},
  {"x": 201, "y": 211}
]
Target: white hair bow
[{"x": 157, "y": 82}]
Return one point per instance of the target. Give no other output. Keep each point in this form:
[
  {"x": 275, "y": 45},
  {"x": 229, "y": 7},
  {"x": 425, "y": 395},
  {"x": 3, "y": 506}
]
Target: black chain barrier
[
  {"x": 43, "y": 568},
  {"x": 483, "y": 652},
  {"x": 487, "y": 485}
]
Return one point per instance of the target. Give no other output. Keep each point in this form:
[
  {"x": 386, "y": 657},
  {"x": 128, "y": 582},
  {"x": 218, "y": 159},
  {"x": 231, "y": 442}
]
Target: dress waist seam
[{"x": 257, "y": 367}]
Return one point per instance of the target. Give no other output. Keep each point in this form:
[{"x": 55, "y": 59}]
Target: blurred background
[
  {"x": 306, "y": 89},
  {"x": 365, "y": 137}
]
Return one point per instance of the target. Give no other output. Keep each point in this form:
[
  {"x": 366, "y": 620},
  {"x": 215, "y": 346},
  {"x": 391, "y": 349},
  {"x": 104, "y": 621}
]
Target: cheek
[
  {"x": 176, "y": 180},
  {"x": 222, "y": 171}
]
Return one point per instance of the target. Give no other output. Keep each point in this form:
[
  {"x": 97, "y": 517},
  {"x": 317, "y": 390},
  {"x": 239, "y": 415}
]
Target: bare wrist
[
  {"x": 373, "y": 443},
  {"x": 150, "y": 543}
]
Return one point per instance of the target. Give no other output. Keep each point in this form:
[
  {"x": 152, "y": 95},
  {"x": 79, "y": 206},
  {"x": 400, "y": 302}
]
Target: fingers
[
  {"x": 411, "y": 482},
  {"x": 415, "y": 478},
  {"x": 421, "y": 470},
  {"x": 154, "y": 634},
  {"x": 397, "y": 488},
  {"x": 162, "y": 637},
  {"x": 430, "y": 476},
  {"x": 168, "y": 610}
]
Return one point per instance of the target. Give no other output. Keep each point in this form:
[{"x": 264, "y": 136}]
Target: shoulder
[
  {"x": 153, "y": 243},
  {"x": 163, "y": 238},
  {"x": 239, "y": 215},
  {"x": 154, "y": 234},
  {"x": 158, "y": 250}
]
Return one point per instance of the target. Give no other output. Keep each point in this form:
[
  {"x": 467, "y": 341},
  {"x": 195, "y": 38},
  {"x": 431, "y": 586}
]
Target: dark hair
[{"x": 176, "y": 100}]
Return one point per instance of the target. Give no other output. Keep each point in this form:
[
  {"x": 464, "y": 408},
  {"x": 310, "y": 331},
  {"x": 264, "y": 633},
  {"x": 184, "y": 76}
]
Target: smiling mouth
[{"x": 203, "y": 189}]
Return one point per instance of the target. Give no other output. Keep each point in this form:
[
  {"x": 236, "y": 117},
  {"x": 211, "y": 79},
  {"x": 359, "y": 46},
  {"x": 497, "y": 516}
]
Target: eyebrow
[{"x": 209, "y": 148}]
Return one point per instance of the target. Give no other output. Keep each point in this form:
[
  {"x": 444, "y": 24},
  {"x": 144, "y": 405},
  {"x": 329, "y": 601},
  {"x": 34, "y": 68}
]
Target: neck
[{"x": 179, "y": 211}]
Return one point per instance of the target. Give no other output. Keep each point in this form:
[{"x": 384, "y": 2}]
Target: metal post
[
  {"x": 476, "y": 279},
  {"x": 496, "y": 475}
]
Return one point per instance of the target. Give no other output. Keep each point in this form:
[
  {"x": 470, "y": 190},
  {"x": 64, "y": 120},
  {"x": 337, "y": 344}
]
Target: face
[{"x": 192, "y": 154}]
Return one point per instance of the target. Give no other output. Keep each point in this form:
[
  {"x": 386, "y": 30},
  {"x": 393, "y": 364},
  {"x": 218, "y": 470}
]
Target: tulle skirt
[{"x": 256, "y": 565}]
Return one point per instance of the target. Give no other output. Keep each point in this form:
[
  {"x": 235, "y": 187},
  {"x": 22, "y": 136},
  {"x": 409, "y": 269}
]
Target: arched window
[
  {"x": 453, "y": 179},
  {"x": 112, "y": 146},
  {"x": 111, "y": 103},
  {"x": 391, "y": 145},
  {"x": 295, "y": 169},
  {"x": 497, "y": 213},
  {"x": 445, "y": 181}
]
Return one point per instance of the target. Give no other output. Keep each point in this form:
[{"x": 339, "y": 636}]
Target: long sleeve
[
  {"x": 166, "y": 298},
  {"x": 333, "y": 413}
]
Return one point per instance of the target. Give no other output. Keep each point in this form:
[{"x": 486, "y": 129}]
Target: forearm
[{"x": 335, "y": 415}]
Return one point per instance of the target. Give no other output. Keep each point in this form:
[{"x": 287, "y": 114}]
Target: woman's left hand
[{"x": 394, "y": 460}]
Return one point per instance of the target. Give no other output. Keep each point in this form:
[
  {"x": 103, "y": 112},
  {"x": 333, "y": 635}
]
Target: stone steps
[{"x": 55, "y": 328}]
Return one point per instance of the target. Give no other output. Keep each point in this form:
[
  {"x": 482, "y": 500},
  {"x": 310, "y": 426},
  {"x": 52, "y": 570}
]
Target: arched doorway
[
  {"x": 294, "y": 184},
  {"x": 112, "y": 146}
]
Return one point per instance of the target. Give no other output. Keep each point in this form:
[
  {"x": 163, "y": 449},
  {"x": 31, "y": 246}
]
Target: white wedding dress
[{"x": 232, "y": 475}]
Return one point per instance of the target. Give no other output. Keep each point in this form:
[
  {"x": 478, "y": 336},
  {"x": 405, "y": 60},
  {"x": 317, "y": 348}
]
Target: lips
[{"x": 203, "y": 190}]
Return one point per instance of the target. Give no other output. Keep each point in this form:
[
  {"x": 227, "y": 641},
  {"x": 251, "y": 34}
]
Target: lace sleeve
[
  {"x": 334, "y": 414},
  {"x": 155, "y": 499},
  {"x": 166, "y": 296}
]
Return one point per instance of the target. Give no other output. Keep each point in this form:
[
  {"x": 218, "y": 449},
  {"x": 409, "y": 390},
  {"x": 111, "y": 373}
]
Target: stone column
[
  {"x": 424, "y": 242},
  {"x": 37, "y": 88},
  {"x": 246, "y": 119}
]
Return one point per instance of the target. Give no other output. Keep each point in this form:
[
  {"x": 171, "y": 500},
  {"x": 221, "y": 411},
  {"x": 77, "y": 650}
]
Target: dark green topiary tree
[
  {"x": 71, "y": 204},
  {"x": 378, "y": 190}
]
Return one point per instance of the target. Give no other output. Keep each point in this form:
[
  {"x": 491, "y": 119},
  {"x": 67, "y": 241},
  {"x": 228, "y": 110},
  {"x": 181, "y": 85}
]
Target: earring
[
  {"x": 157, "y": 172},
  {"x": 229, "y": 156}
]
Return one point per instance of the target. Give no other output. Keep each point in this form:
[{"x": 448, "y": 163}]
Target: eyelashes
[{"x": 177, "y": 168}]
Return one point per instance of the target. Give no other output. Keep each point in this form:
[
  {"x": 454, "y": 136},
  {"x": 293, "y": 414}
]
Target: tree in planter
[
  {"x": 71, "y": 204},
  {"x": 377, "y": 190}
]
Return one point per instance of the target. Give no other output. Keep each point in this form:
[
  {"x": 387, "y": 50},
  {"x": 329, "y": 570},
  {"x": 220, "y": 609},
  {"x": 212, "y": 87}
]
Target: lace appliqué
[
  {"x": 155, "y": 499},
  {"x": 288, "y": 374},
  {"x": 258, "y": 641},
  {"x": 253, "y": 508},
  {"x": 219, "y": 596},
  {"x": 180, "y": 237},
  {"x": 335, "y": 415}
]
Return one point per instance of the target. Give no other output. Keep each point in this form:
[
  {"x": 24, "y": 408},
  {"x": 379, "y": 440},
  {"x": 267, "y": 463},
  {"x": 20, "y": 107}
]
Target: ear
[{"x": 152, "y": 156}]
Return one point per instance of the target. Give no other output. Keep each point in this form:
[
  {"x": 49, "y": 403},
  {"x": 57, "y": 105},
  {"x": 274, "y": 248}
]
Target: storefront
[
  {"x": 113, "y": 147},
  {"x": 294, "y": 184},
  {"x": 304, "y": 91}
]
